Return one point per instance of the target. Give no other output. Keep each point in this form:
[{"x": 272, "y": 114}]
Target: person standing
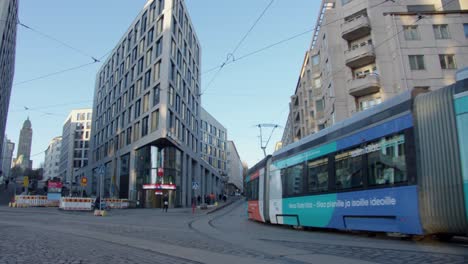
[{"x": 165, "y": 202}]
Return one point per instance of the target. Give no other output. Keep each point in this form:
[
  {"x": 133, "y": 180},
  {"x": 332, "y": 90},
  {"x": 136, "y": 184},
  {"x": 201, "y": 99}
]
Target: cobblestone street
[{"x": 47, "y": 235}]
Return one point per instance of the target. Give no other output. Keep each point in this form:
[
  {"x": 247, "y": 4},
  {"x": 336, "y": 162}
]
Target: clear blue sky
[{"x": 251, "y": 91}]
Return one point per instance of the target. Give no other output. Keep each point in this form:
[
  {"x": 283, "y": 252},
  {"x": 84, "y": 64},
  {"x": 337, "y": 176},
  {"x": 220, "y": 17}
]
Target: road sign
[
  {"x": 100, "y": 170},
  {"x": 26, "y": 181},
  {"x": 84, "y": 181},
  {"x": 195, "y": 185}
]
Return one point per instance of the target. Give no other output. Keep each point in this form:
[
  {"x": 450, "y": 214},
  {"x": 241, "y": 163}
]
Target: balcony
[
  {"x": 360, "y": 56},
  {"x": 356, "y": 28},
  {"x": 368, "y": 84}
]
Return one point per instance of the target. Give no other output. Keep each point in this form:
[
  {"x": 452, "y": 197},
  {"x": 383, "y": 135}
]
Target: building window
[
  {"x": 146, "y": 102},
  {"x": 147, "y": 78},
  {"x": 129, "y": 135},
  {"x": 320, "y": 106},
  {"x": 411, "y": 33},
  {"x": 159, "y": 26},
  {"x": 316, "y": 60},
  {"x": 156, "y": 94},
  {"x": 140, "y": 66},
  {"x": 447, "y": 61},
  {"x": 317, "y": 82},
  {"x": 367, "y": 102},
  {"x": 344, "y": 2},
  {"x": 150, "y": 37},
  {"x": 171, "y": 96},
  {"x": 416, "y": 62},
  {"x": 136, "y": 132},
  {"x": 418, "y": 8},
  {"x": 149, "y": 54},
  {"x": 144, "y": 126},
  {"x": 137, "y": 108},
  {"x": 158, "y": 47},
  {"x": 441, "y": 31},
  {"x": 154, "y": 120},
  {"x": 157, "y": 70}
]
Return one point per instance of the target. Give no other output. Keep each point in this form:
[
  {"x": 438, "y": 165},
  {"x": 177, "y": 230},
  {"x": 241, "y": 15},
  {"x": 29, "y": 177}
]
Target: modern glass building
[{"x": 145, "y": 134}]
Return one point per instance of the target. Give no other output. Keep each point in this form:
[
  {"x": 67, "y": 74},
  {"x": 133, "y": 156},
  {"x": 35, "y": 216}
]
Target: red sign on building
[{"x": 160, "y": 172}]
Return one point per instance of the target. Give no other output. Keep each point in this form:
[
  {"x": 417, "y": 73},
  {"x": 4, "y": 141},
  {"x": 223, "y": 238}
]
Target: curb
[{"x": 222, "y": 206}]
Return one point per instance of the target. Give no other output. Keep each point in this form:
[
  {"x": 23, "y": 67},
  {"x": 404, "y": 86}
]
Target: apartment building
[
  {"x": 52, "y": 159},
  {"x": 364, "y": 52},
  {"x": 8, "y": 25},
  {"x": 74, "y": 150},
  {"x": 145, "y": 137},
  {"x": 235, "y": 169},
  {"x": 213, "y": 139}
]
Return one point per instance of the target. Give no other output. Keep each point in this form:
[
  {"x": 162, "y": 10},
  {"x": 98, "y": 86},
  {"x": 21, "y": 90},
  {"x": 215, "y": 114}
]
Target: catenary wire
[
  {"x": 280, "y": 42},
  {"x": 230, "y": 56},
  {"x": 57, "y": 40}
]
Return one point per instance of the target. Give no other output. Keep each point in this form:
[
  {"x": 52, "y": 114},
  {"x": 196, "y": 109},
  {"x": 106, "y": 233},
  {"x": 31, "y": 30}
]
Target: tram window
[
  {"x": 317, "y": 178},
  {"x": 387, "y": 165},
  {"x": 252, "y": 190},
  {"x": 292, "y": 180},
  {"x": 348, "y": 171}
]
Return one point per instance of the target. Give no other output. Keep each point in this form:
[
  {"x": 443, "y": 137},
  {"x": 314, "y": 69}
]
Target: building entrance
[{"x": 154, "y": 198}]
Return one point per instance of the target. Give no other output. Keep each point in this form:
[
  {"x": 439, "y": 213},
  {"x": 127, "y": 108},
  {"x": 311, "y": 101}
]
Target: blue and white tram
[{"x": 401, "y": 166}]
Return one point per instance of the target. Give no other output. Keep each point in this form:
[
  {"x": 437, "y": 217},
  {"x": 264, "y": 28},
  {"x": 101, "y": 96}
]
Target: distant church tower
[{"x": 24, "y": 146}]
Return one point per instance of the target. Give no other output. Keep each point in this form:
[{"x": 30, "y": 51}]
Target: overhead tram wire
[
  {"x": 55, "y": 73},
  {"x": 64, "y": 70},
  {"x": 26, "y": 108},
  {"x": 420, "y": 17},
  {"x": 58, "y": 41},
  {"x": 280, "y": 42},
  {"x": 230, "y": 56}
]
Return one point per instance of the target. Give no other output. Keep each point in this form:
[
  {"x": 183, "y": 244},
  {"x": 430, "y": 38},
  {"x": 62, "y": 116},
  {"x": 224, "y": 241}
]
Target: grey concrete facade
[
  {"x": 364, "y": 52},
  {"x": 8, "y": 25},
  {"x": 213, "y": 139},
  {"x": 52, "y": 159},
  {"x": 145, "y": 134},
  {"x": 235, "y": 168},
  {"x": 74, "y": 149}
]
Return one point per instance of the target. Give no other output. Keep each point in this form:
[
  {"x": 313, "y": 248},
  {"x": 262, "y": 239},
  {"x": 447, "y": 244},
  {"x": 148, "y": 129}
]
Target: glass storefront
[
  {"x": 124, "y": 176},
  {"x": 158, "y": 172}
]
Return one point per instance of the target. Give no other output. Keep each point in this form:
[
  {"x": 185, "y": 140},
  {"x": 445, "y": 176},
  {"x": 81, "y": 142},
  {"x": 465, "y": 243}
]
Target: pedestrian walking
[
  {"x": 199, "y": 199},
  {"x": 165, "y": 202}
]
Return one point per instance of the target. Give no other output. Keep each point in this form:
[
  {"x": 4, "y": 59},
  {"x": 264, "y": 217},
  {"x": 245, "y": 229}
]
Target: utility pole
[{"x": 260, "y": 126}]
